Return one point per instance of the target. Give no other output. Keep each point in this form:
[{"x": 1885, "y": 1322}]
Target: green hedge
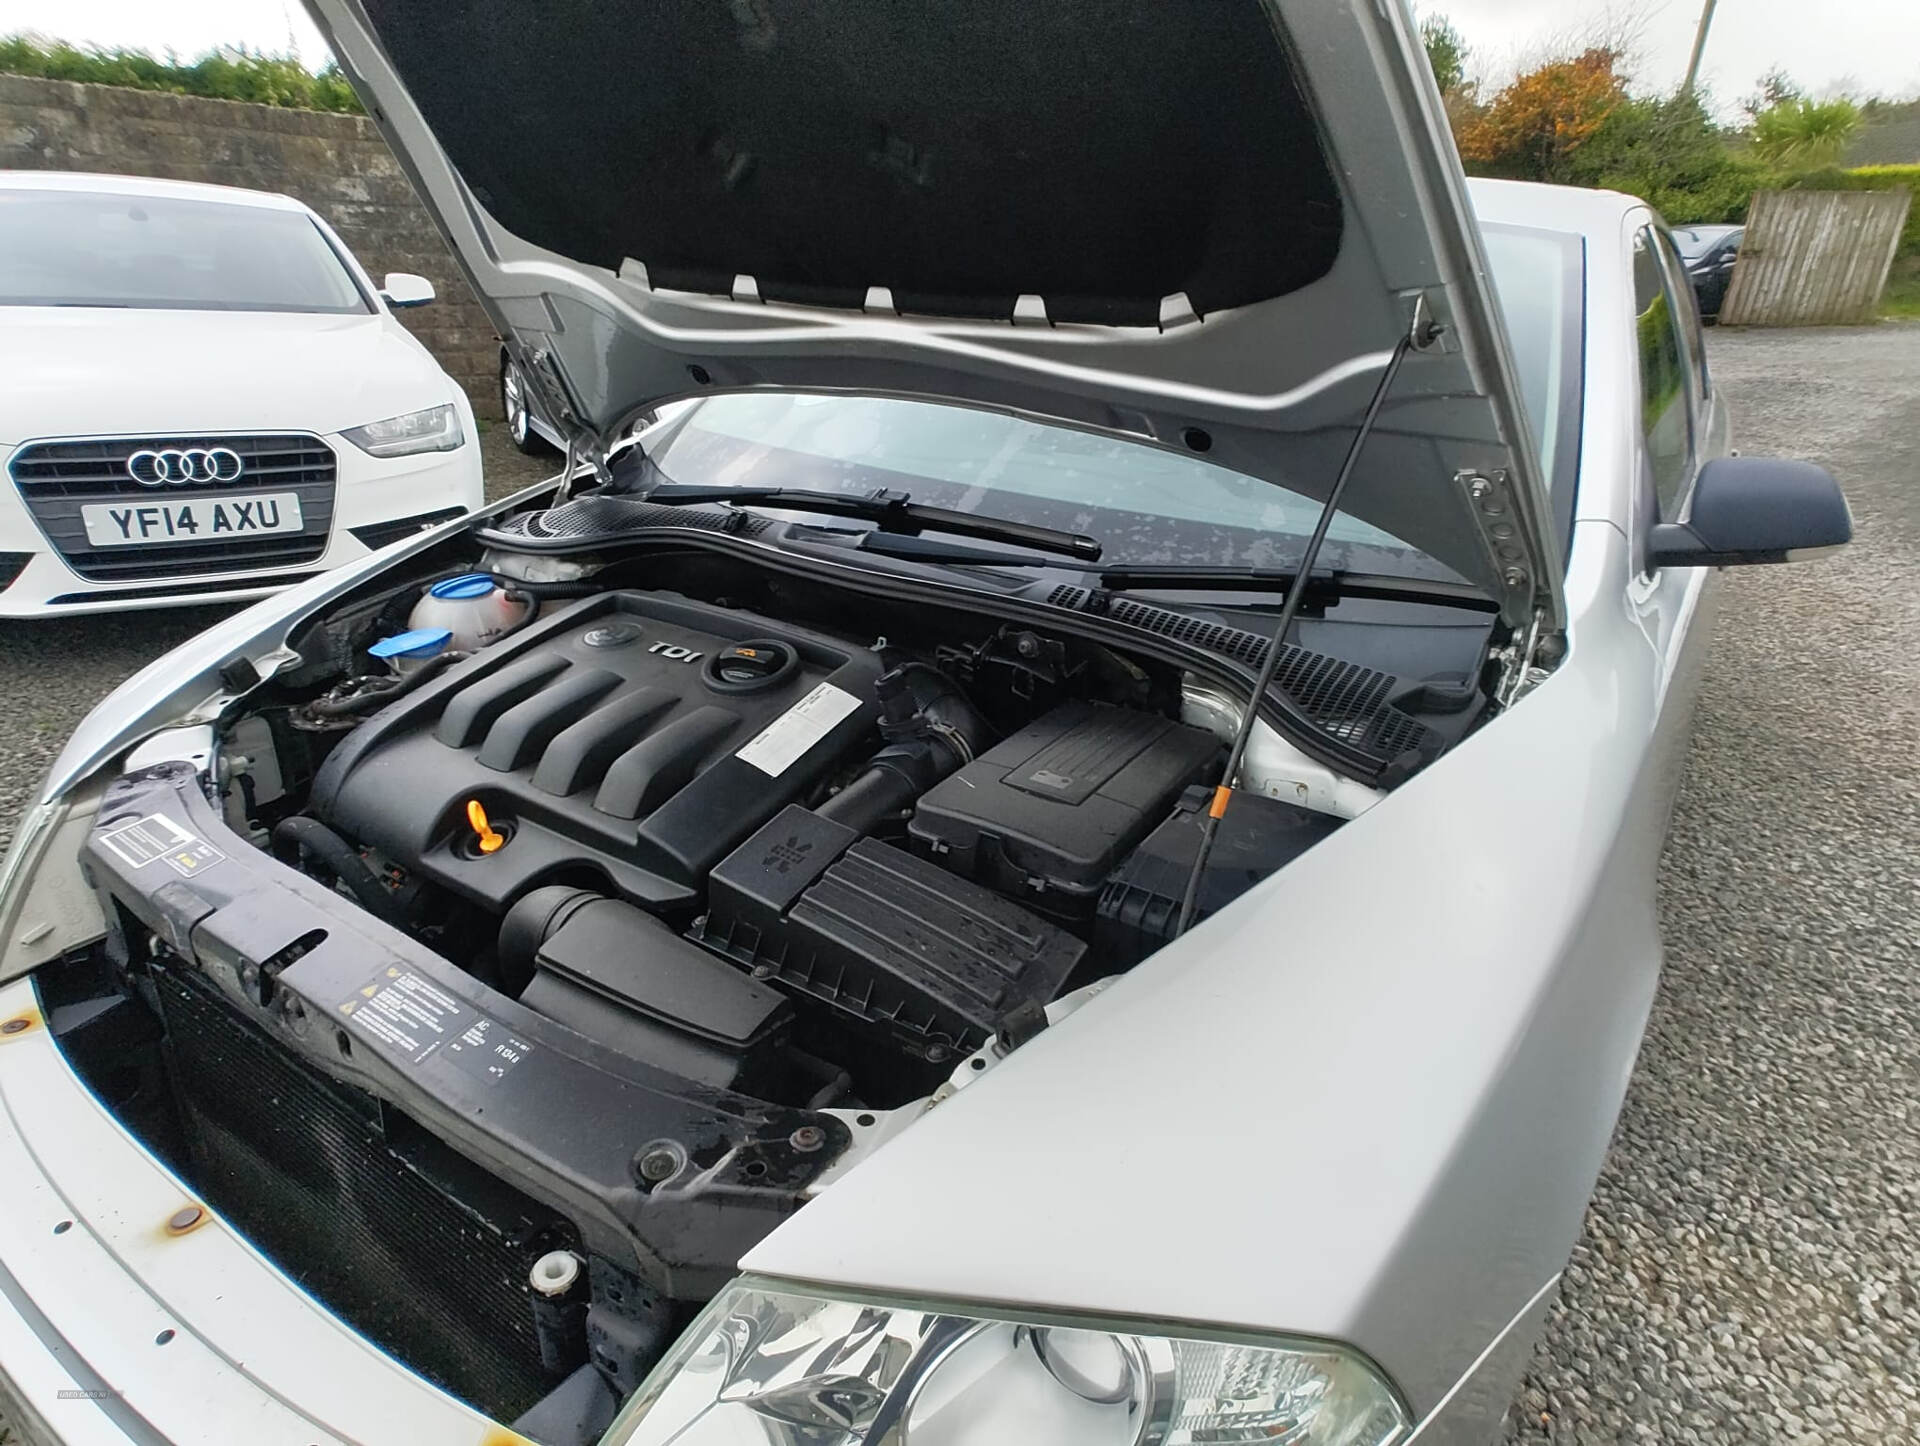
[
  {"x": 1726, "y": 196},
  {"x": 1870, "y": 178},
  {"x": 1722, "y": 196},
  {"x": 218, "y": 75}
]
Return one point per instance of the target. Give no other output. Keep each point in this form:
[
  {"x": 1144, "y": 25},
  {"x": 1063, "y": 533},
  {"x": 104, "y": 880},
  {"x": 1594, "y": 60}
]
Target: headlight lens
[
  {"x": 437, "y": 429},
  {"x": 769, "y": 1365}
]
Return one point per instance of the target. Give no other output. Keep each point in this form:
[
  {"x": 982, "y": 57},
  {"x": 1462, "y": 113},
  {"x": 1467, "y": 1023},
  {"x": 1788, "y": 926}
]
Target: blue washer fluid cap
[
  {"x": 419, "y": 643},
  {"x": 467, "y": 585}
]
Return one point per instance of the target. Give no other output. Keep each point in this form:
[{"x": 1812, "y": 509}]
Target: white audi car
[{"x": 203, "y": 397}]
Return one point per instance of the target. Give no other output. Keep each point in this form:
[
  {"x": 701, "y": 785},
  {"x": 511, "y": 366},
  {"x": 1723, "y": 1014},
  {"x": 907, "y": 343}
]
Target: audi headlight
[
  {"x": 437, "y": 429},
  {"x": 775, "y": 1365}
]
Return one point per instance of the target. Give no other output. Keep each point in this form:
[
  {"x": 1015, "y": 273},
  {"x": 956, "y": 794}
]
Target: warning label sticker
[
  {"x": 158, "y": 839},
  {"x": 785, "y": 740},
  {"x": 417, "y": 1018}
]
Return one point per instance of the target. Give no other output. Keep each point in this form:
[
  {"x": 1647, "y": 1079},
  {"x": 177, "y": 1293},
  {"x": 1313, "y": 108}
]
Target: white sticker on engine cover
[{"x": 785, "y": 740}]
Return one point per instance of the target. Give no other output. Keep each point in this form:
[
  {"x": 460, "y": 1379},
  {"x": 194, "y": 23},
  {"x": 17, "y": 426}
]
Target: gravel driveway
[{"x": 1751, "y": 1265}]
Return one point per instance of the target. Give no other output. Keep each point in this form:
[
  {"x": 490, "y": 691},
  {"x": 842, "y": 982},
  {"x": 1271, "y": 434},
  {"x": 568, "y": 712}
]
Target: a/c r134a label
[{"x": 415, "y": 1018}]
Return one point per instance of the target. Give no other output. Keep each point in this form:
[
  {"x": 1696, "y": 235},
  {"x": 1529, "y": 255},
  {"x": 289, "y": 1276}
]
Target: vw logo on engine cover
[{"x": 178, "y": 466}]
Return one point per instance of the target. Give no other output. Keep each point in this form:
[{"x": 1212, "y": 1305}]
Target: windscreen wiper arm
[{"x": 888, "y": 510}]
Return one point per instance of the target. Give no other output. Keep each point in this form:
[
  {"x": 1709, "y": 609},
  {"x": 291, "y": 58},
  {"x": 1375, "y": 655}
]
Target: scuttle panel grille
[{"x": 1346, "y": 700}]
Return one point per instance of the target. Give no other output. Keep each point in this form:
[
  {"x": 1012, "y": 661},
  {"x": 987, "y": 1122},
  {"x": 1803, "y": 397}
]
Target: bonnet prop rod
[{"x": 1421, "y": 333}]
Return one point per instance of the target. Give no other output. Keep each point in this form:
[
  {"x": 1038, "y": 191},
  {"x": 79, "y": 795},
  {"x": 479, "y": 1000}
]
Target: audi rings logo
[{"x": 177, "y": 467}]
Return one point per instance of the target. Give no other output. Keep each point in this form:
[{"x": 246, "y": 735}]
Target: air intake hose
[{"x": 931, "y": 730}]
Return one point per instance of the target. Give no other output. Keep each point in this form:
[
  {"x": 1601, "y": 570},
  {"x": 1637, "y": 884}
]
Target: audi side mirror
[
  {"x": 403, "y": 289},
  {"x": 1754, "y": 509}
]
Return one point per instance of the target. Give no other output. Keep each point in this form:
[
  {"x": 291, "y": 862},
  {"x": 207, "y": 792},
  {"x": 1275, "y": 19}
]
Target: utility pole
[{"x": 1699, "y": 47}]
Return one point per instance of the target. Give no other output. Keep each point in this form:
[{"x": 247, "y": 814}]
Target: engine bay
[
  {"x": 769, "y": 858},
  {"x": 612, "y": 917}
]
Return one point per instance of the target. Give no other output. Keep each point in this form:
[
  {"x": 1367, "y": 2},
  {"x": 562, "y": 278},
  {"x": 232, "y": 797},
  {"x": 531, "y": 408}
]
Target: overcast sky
[{"x": 1870, "y": 45}]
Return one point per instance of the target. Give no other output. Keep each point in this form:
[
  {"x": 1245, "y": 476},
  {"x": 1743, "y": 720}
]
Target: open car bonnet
[{"x": 1199, "y": 224}]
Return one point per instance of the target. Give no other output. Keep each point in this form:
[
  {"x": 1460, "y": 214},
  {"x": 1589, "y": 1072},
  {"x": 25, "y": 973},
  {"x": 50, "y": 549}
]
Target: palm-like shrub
[{"x": 1799, "y": 134}]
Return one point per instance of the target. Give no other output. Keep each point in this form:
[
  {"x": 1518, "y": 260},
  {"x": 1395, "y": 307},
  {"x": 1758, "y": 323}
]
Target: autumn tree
[{"x": 1534, "y": 128}]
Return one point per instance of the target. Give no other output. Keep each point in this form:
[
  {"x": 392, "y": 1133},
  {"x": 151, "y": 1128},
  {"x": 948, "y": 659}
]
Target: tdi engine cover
[{"x": 631, "y": 736}]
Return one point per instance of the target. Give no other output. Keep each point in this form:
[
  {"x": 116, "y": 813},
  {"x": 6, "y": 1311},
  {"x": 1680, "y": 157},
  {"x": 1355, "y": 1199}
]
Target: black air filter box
[
  {"x": 936, "y": 962},
  {"x": 1257, "y": 836},
  {"x": 616, "y": 975},
  {"x": 1047, "y": 814}
]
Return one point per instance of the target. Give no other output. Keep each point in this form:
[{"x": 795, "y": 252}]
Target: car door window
[
  {"x": 1686, "y": 314},
  {"x": 1667, "y": 375}
]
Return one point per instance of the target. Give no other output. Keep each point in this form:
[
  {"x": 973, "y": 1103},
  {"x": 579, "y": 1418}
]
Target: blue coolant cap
[
  {"x": 467, "y": 585},
  {"x": 419, "y": 643}
]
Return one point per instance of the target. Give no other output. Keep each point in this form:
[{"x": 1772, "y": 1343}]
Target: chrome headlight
[
  {"x": 776, "y": 1365},
  {"x": 437, "y": 429}
]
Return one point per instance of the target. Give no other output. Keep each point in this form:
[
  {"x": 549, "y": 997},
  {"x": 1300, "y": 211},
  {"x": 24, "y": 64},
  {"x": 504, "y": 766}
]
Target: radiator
[{"x": 411, "y": 1245}]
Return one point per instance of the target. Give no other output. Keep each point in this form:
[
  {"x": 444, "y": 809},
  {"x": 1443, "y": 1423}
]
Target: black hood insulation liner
[{"x": 959, "y": 154}]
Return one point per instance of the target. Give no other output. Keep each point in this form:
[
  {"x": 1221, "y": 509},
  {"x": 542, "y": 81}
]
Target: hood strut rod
[{"x": 1420, "y": 334}]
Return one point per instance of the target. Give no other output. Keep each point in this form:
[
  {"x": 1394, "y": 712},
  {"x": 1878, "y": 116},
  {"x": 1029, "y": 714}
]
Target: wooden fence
[{"x": 1814, "y": 257}]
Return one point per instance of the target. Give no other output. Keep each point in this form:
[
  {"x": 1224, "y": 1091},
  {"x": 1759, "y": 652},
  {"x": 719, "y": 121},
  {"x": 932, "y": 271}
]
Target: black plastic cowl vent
[
  {"x": 1347, "y": 701},
  {"x": 1068, "y": 596}
]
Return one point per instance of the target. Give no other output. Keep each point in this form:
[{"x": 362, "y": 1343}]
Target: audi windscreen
[{"x": 79, "y": 248}]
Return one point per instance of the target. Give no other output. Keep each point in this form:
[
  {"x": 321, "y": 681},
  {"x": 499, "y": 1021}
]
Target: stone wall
[{"x": 337, "y": 164}]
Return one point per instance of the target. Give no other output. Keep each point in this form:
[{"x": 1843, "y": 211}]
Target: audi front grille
[{"x": 57, "y": 479}]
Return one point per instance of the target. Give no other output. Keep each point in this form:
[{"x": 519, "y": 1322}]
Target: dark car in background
[{"x": 1709, "y": 253}]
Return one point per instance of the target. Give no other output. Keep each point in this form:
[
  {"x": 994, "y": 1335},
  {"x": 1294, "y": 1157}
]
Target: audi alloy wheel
[{"x": 516, "y": 408}]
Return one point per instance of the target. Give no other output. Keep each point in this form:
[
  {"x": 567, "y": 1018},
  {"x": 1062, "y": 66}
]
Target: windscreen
[
  {"x": 1147, "y": 505},
  {"x": 72, "y": 248},
  {"x": 1536, "y": 278}
]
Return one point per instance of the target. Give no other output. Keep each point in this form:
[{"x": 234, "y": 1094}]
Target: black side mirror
[{"x": 1754, "y": 509}]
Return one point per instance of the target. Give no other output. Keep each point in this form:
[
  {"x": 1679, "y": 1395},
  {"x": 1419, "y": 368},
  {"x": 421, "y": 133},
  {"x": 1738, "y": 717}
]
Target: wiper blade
[
  {"x": 1137, "y": 577},
  {"x": 891, "y": 511}
]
